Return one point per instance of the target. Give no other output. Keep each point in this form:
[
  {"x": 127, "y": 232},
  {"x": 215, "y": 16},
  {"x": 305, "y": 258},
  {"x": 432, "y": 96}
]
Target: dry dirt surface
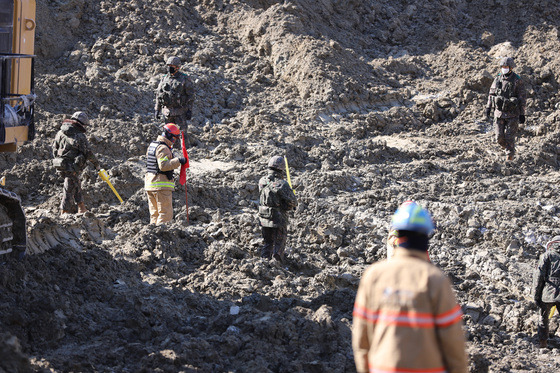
[{"x": 373, "y": 103}]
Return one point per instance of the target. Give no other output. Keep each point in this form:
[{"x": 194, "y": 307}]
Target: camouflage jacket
[
  {"x": 71, "y": 149},
  {"x": 507, "y": 95},
  {"x": 546, "y": 279},
  {"x": 175, "y": 93},
  {"x": 276, "y": 199}
]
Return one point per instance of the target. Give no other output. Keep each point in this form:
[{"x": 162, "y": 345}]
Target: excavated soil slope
[{"x": 373, "y": 103}]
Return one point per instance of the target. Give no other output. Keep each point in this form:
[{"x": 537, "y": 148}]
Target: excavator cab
[{"x": 17, "y": 97}]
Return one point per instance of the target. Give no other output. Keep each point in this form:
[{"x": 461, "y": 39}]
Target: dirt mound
[{"x": 372, "y": 102}]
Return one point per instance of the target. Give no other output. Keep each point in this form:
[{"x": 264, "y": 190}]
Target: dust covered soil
[{"x": 372, "y": 102}]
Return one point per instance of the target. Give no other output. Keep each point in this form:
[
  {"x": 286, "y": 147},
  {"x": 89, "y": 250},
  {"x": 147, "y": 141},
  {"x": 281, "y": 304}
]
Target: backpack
[{"x": 269, "y": 200}]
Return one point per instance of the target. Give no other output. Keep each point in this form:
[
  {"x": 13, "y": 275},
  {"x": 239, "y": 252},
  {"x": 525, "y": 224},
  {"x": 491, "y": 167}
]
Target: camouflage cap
[
  {"x": 277, "y": 163},
  {"x": 174, "y": 61},
  {"x": 507, "y": 61},
  {"x": 81, "y": 117}
]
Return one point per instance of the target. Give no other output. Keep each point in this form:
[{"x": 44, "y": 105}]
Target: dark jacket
[
  {"x": 276, "y": 199},
  {"x": 546, "y": 279},
  {"x": 176, "y": 93},
  {"x": 507, "y": 95},
  {"x": 71, "y": 149}
]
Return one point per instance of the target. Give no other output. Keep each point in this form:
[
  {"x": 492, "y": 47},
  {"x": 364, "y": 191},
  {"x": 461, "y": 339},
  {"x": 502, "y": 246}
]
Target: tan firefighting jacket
[
  {"x": 406, "y": 319},
  {"x": 166, "y": 162}
]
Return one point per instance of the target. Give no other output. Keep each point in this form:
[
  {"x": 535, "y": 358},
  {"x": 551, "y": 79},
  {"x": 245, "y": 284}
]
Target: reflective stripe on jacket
[
  {"x": 166, "y": 162},
  {"x": 406, "y": 318}
]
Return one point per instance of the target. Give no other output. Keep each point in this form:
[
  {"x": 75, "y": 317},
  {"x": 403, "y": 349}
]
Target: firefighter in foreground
[
  {"x": 546, "y": 285},
  {"x": 175, "y": 95},
  {"x": 507, "y": 96},
  {"x": 276, "y": 199},
  {"x": 406, "y": 318},
  {"x": 71, "y": 152},
  {"x": 159, "y": 182}
]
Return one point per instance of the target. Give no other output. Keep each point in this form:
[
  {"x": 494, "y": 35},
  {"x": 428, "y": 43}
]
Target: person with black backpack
[{"x": 276, "y": 199}]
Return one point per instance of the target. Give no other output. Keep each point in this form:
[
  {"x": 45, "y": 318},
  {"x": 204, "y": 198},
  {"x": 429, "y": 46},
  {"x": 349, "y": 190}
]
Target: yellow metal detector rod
[
  {"x": 552, "y": 312},
  {"x": 105, "y": 177},
  {"x": 288, "y": 174}
]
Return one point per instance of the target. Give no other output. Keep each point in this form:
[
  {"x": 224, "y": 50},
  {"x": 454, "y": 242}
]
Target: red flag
[{"x": 183, "y": 174}]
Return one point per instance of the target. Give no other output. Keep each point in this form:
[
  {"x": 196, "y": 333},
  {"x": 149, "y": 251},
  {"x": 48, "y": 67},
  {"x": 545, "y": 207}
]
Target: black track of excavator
[{"x": 13, "y": 235}]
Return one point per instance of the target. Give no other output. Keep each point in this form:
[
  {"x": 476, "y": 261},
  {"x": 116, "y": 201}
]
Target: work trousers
[
  {"x": 71, "y": 192},
  {"x": 274, "y": 242},
  {"x": 506, "y": 131},
  {"x": 543, "y": 328},
  {"x": 160, "y": 203}
]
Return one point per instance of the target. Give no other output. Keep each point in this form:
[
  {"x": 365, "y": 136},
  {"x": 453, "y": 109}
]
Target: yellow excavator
[{"x": 17, "y": 97}]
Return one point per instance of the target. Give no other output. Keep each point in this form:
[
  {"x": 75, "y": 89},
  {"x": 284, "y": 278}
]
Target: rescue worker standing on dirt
[
  {"x": 406, "y": 318},
  {"x": 158, "y": 182},
  {"x": 71, "y": 151},
  {"x": 276, "y": 199},
  {"x": 546, "y": 285},
  {"x": 507, "y": 96},
  {"x": 175, "y": 95}
]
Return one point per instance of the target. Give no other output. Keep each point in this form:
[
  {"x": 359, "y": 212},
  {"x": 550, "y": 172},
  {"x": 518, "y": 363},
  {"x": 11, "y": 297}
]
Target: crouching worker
[
  {"x": 159, "y": 182},
  {"x": 71, "y": 152},
  {"x": 406, "y": 318},
  {"x": 546, "y": 284}
]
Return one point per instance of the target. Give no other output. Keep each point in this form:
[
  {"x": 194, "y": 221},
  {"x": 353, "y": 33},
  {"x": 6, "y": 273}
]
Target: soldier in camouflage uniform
[
  {"x": 276, "y": 199},
  {"x": 546, "y": 285},
  {"x": 175, "y": 95},
  {"x": 71, "y": 151},
  {"x": 507, "y": 96}
]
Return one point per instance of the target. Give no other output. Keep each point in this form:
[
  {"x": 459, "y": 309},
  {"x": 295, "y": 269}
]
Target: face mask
[
  {"x": 505, "y": 70},
  {"x": 172, "y": 70}
]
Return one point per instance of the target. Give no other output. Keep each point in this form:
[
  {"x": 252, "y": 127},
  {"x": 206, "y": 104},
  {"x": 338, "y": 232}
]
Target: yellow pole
[
  {"x": 105, "y": 177},
  {"x": 552, "y": 312},
  {"x": 288, "y": 174}
]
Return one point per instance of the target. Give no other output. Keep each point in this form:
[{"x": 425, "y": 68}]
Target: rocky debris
[{"x": 373, "y": 103}]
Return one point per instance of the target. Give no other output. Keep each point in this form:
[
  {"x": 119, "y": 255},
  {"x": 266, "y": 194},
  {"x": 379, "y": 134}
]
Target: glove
[
  {"x": 157, "y": 114},
  {"x": 487, "y": 113},
  {"x": 188, "y": 114},
  {"x": 522, "y": 119},
  {"x": 182, "y": 160}
]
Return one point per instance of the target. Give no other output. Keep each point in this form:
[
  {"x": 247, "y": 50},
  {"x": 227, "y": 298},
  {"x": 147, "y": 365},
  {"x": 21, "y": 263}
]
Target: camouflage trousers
[
  {"x": 180, "y": 120},
  {"x": 71, "y": 192},
  {"x": 274, "y": 242},
  {"x": 506, "y": 131},
  {"x": 543, "y": 328}
]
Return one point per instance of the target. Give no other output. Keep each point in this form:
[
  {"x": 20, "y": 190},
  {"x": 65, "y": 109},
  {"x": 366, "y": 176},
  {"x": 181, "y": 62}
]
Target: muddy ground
[{"x": 373, "y": 103}]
